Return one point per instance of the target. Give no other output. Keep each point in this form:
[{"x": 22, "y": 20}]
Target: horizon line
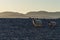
[{"x": 29, "y": 11}]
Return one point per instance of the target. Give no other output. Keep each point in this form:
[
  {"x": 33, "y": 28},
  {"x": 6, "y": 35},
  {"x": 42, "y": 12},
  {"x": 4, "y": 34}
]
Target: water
[{"x": 23, "y": 29}]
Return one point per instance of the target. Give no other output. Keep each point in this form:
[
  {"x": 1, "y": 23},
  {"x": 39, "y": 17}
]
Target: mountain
[
  {"x": 43, "y": 14},
  {"x": 33, "y": 14},
  {"x": 11, "y": 15}
]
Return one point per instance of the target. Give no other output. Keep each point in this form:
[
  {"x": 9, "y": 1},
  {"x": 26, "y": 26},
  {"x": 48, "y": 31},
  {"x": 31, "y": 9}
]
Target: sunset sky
[{"x": 24, "y": 6}]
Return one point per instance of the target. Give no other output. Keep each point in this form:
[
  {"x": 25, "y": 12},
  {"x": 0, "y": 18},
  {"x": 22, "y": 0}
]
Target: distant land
[
  {"x": 8, "y": 14},
  {"x": 33, "y": 14}
]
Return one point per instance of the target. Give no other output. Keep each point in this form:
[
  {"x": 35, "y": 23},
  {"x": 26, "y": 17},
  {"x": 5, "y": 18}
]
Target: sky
[{"x": 24, "y": 6}]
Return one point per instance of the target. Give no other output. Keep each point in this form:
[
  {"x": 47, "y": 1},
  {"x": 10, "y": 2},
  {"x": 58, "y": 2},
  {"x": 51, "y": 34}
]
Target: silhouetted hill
[
  {"x": 33, "y": 14},
  {"x": 43, "y": 14},
  {"x": 11, "y": 15}
]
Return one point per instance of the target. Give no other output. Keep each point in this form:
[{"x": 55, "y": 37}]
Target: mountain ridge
[{"x": 33, "y": 14}]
